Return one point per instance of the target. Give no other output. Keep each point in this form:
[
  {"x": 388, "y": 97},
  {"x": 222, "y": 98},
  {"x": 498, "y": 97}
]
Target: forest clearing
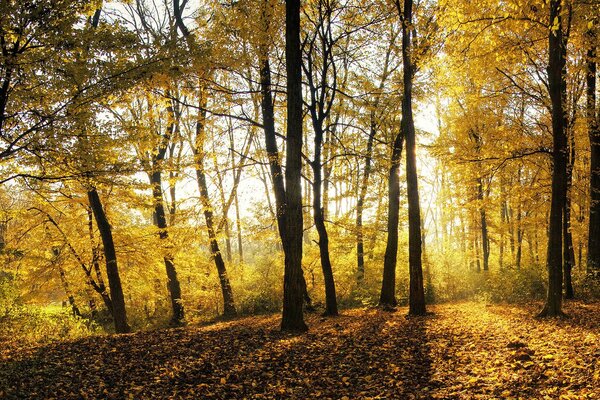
[
  {"x": 304, "y": 199},
  {"x": 461, "y": 351}
]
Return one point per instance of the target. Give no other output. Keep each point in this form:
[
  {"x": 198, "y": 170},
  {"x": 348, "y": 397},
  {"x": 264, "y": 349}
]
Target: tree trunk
[
  {"x": 199, "y": 158},
  {"x": 238, "y": 225},
  {"x": 557, "y": 89},
  {"x": 360, "y": 247},
  {"x": 97, "y": 284},
  {"x": 225, "y": 221},
  {"x": 485, "y": 241},
  {"x": 593, "y": 124},
  {"x": 519, "y": 255},
  {"x": 110, "y": 256},
  {"x": 568, "y": 251},
  {"x": 416, "y": 300},
  {"x": 160, "y": 220},
  {"x": 502, "y": 227},
  {"x": 387, "y": 297},
  {"x": 63, "y": 279},
  {"x": 330, "y": 296},
  {"x": 160, "y": 215},
  {"x": 293, "y": 289}
]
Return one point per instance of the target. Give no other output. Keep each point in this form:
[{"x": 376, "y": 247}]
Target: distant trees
[{"x": 141, "y": 125}]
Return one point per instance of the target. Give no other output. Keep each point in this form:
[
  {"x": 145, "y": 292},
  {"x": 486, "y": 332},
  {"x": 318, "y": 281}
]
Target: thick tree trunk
[
  {"x": 416, "y": 299},
  {"x": 557, "y": 89},
  {"x": 593, "y": 257},
  {"x": 110, "y": 256},
  {"x": 387, "y": 297},
  {"x": 293, "y": 289}
]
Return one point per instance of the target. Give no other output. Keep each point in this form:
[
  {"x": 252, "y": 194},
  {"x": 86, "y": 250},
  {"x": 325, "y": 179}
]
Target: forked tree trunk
[
  {"x": 330, "y": 296},
  {"x": 110, "y": 256}
]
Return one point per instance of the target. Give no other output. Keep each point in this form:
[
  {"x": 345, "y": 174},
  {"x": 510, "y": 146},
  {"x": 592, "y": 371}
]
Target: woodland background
[{"x": 146, "y": 120}]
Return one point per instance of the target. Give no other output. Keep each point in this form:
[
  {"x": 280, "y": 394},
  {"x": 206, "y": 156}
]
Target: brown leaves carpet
[{"x": 462, "y": 351}]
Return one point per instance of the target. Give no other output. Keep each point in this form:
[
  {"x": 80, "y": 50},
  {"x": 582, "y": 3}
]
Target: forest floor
[{"x": 462, "y": 351}]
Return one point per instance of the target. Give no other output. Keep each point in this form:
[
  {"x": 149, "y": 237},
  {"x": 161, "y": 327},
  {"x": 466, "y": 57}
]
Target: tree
[
  {"x": 197, "y": 143},
  {"x": 110, "y": 257},
  {"x": 417, "y": 294},
  {"x": 557, "y": 52},
  {"x": 293, "y": 288},
  {"x": 321, "y": 74},
  {"x": 387, "y": 297},
  {"x": 593, "y": 126}
]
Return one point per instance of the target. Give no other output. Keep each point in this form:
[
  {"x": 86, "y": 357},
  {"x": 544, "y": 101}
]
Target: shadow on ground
[{"x": 363, "y": 354}]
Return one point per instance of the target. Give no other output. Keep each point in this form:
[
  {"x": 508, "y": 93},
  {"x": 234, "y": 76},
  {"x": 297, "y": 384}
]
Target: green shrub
[{"x": 34, "y": 324}]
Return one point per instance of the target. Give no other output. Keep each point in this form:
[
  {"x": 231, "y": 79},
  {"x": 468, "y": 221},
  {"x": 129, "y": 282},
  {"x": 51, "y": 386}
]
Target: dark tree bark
[
  {"x": 387, "y": 298},
  {"x": 198, "y": 150},
  {"x": 364, "y": 185},
  {"x": 485, "y": 241},
  {"x": 503, "y": 221},
  {"x": 160, "y": 220},
  {"x": 360, "y": 203},
  {"x": 557, "y": 89},
  {"x": 330, "y": 297},
  {"x": 98, "y": 283},
  {"x": 593, "y": 124},
  {"x": 322, "y": 95},
  {"x": 110, "y": 256},
  {"x": 519, "y": 224},
  {"x": 416, "y": 300},
  {"x": 568, "y": 250},
  {"x": 276, "y": 171},
  {"x": 293, "y": 289}
]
